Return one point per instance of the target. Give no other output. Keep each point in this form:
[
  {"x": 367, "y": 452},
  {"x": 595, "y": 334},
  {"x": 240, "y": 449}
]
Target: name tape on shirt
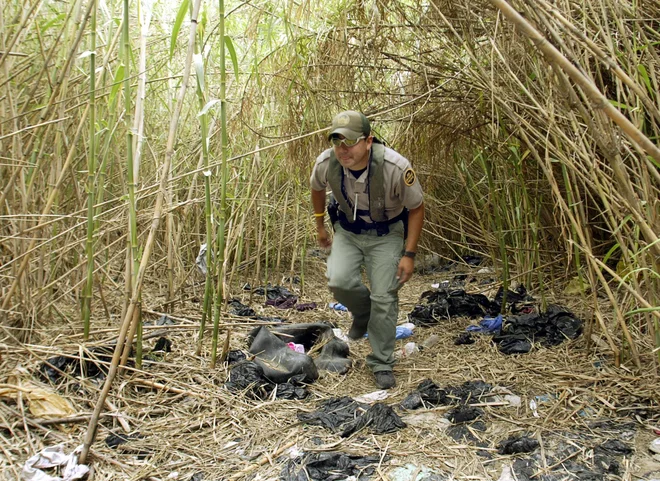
[{"x": 409, "y": 177}]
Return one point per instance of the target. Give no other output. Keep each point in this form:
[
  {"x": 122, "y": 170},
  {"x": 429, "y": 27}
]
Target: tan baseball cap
[{"x": 350, "y": 124}]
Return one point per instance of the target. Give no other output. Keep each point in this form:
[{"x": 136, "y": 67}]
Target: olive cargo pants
[{"x": 380, "y": 306}]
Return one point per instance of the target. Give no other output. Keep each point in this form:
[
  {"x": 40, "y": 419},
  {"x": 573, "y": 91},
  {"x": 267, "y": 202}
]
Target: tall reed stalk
[
  {"x": 208, "y": 212},
  {"x": 222, "y": 217},
  {"x": 91, "y": 177},
  {"x": 498, "y": 203},
  {"x": 133, "y": 260}
]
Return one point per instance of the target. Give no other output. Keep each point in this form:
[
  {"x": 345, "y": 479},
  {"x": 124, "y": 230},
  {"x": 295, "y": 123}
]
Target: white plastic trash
[
  {"x": 372, "y": 397},
  {"x": 54, "y": 457},
  {"x": 201, "y": 259},
  {"x": 532, "y": 406},
  {"x": 340, "y": 334},
  {"x": 408, "y": 350},
  {"x": 655, "y": 446},
  {"x": 506, "y": 474},
  {"x": 431, "y": 341}
]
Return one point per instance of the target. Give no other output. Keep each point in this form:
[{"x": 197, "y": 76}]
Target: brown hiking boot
[{"x": 385, "y": 379}]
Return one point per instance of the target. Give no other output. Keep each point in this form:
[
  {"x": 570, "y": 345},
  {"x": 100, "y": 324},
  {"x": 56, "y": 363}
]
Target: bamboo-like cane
[
  {"x": 603, "y": 57},
  {"x": 47, "y": 112},
  {"x": 599, "y": 102},
  {"x": 137, "y": 288},
  {"x": 46, "y": 210},
  {"x": 19, "y": 31},
  {"x": 208, "y": 286},
  {"x": 137, "y": 142},
  {"x": 498, "y": 229},
  {"x": 222, "y": 217},
  {"x": 132, "y": 203},
  {"x": 91, "y": 174}
]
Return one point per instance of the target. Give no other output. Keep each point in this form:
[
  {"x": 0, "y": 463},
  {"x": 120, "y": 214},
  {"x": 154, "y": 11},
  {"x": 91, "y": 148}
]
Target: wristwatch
[{"x": 410, "y": 254}]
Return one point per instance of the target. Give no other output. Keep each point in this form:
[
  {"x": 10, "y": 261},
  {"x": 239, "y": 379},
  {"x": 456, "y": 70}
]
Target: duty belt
[{"x": 381, "y": 228}]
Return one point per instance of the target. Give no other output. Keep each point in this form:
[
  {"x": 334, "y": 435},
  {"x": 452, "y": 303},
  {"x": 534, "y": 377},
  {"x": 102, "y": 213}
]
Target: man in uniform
[{"x": 374, "y": 189}]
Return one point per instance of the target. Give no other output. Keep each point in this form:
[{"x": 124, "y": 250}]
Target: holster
[{"x": 333, "y": 211}]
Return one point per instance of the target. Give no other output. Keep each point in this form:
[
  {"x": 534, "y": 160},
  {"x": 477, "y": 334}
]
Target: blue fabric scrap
[
  {"x": 401, "y": 332},
  {"x": 337, "y": 306},
  {"x": 489, "y": 325}
]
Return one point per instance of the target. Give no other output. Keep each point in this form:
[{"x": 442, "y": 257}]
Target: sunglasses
[{"x": 336, "y": 141}]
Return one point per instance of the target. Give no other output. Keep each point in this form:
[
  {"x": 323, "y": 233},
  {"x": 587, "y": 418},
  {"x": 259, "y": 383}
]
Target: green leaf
[
  {"x": 183, "y": 9},
  {"x": 51, "y": 23},
  {"x": 232, "y": 54},
  {"x": 653, "y": 161},
  {"x": 641, "y": 310},
  {"x": 645, "y": 76},
  {"x": 614, "y": 248},
  {"x": 207, "y": 107},
  {"x": 620, "y": 105},
  {"x": 198, "y": 62},
  {"x": 116, "y": 84}
]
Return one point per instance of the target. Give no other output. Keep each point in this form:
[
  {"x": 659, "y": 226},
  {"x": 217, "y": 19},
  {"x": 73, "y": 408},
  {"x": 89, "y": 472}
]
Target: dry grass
[{"x": 191, "y": 424}]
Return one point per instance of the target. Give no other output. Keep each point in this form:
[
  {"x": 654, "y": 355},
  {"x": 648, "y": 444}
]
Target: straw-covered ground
[{"x": 592, "y": 420}]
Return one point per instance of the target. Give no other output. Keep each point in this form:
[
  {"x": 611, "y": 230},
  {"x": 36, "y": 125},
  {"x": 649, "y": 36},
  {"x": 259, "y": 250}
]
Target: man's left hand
[{"x": 405, "y": 270}]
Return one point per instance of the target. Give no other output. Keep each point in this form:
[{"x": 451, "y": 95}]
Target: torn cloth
[{"x": 54, "y": 457}]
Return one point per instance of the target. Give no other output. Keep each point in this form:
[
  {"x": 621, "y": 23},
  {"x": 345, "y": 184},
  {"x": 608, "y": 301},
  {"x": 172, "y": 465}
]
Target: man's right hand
[{"x": 323, "y": 238}]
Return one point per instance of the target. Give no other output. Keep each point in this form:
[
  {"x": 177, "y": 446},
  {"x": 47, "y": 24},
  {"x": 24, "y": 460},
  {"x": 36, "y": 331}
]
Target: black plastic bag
[
  {"x": 517, "y": 445},
  {"x": 334, "y": 413},
  {"x": 331, "y": 466},
  {"x": 426, "y": 393},
  {"x": 380, "y": 418},
  {"x": 464, "y": 414}
]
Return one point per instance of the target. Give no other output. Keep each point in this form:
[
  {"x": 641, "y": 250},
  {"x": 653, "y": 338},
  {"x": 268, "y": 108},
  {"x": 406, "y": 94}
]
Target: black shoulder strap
[{"x": 377, "y": 183}]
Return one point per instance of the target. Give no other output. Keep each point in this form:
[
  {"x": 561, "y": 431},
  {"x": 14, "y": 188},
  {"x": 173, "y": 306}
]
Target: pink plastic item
[{"x": 296, "y": 347}]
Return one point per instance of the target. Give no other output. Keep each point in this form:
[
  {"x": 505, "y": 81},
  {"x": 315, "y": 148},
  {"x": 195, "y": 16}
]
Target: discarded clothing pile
[
  {"x": 248, "y": 377},
  {"x": 92, "y": 365},
  {"x": 273, "y": 292},
  {"x": 463, "y": 417},
  {"x": 237, "y": 308},
  {"x": 605, "y": 461},
  {"x": 280, "y": 363},
  {"x": 350, "y": 416},
  {"x": 94, "y": 362},
  {"x": 518, "y": 301},
  {"x": 445, "y": 304},
  {"x": 276, "y": 296},
  {"x": 552, "y": 328},
  {"x": 330, "y": 466},
  {"x": 282, "y": 298}
]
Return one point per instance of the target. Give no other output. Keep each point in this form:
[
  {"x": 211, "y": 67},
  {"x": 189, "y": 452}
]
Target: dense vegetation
[{"x": 125, "y": 126}]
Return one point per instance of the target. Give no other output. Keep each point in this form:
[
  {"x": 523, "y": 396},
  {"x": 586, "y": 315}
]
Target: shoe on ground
[
  {"x": 358, "y": 329},
  {"x": 384, "y": 379}
]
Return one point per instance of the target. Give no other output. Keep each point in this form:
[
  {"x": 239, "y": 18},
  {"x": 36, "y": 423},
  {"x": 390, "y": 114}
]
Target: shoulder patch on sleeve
[{"x": 409, "y": 177}]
